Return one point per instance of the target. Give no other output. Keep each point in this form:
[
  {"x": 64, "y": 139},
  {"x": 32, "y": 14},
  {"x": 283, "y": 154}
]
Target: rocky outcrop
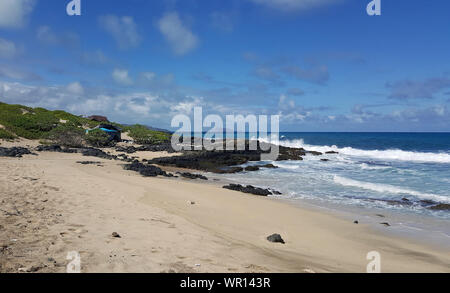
[
  {"x": 146, "y": 170},
  {"x": 440, "y": 207},
  {"x": 251, "y": 168},
  {"x": 91, "y": 152},
  {"x": 251, "y": 189},
  {"x": 167, "y": 147},
  {"x": 55, "y": 148},
  {"x": 192, "y": 176},
  {"x": 222, "y": 161},
  {"x": 15, "y": 152}
]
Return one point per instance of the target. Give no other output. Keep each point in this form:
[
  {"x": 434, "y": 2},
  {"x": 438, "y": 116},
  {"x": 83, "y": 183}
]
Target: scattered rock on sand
[
  {"x": 92, "y": 152},
  {"x": 276, "y": 238},
  {"x": 249, "y": 189},
  {"x": 14, "y": 152},
  {"x": 355, "y": 222},
  {"x": 115, "y": 235},
  {"x": 54, "y": 148},
  {"x": 146, "y": 170},
  {"x": 88, "y": 163}
]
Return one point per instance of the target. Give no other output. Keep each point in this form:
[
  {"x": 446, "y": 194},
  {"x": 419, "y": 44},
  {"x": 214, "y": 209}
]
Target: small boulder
[
  {"x": 276, "y": 238},
  {"x": 115, "y": 235}
]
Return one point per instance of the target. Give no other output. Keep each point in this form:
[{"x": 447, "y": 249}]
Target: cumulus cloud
[
  {"x": 293, "y": 5},
  {"x": 180, "y": 37},
  {"x": 14, "y": 13},
  {"x": 121, "y": 77},
  {"x": 75, "y": 88},
  {"x": 122, "y": 29},
  {"x": 409, "y": 90},
  {"x": 134, "y": 107},
  {"x": 8, "y": 49}
]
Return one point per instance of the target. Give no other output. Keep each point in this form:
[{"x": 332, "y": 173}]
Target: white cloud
[
  {"x": 121, "y": 77},
  {"x": 122, "y": 29},
  {"x": 181, "y": 39},
  {"x": 14, "y": 13},
  {"x": 148, "y": 76},
  {"x": 75, "y": 88},
  {"x": 7, "y": 49},
  {"x": 293, "y": 5}
]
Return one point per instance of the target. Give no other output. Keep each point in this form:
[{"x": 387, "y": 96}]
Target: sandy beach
[{"x": 52, "y": 205}]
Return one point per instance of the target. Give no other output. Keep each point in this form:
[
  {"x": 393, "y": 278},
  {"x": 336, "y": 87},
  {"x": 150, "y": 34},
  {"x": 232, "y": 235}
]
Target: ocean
[{"x": 396, "y": 174}]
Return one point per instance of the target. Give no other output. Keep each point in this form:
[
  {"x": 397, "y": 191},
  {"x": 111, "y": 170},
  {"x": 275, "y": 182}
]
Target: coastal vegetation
[{"x": 65, "y": 128}]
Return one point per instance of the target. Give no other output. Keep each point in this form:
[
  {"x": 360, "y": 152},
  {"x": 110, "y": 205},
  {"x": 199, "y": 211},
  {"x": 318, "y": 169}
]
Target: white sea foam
[
  {"x": 383, "y": 188},
  {"x": 399, "y": 155}
]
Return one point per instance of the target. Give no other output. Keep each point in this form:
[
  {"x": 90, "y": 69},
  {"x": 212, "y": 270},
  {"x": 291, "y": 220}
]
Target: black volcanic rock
[
  {"x": 331, "y": 153},
  {"x": 314, "y": 153},
  {"x": 276, "y": 238},
  {"x": 269, "y": 166},
  {"x": 228, "y": 170},
  {"x": 16, "y": 152},
  {"x": 92, "y": 152},
  {"x": 88, "y": 163},
  {"x": 440, "y": 207},
  {"x": 146, "y": 170},
  {"x": 166, "y": 146},
  {"x": 221, "y": 161},
  {"x": 251, "y": 168},
  {"x": 249, "y": 189},
  {"x": 192, "y": 176},
  {"x": 55, "y": 148}
]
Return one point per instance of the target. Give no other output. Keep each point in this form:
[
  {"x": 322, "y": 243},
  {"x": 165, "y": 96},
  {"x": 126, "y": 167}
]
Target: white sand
[{"x": 51, "y": 205}]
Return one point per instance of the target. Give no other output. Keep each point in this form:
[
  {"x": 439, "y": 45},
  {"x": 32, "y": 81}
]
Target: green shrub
[
  {"x": 6, "y": 135},
  {"x": 143, "y": 135},
  {"x": 98, "y": 138},
  {"x": 67, "y": 135}
]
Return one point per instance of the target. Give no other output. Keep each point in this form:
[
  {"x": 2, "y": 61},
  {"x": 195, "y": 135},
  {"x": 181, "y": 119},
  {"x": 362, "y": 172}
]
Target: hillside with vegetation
[{"x": 18, "y": 121}]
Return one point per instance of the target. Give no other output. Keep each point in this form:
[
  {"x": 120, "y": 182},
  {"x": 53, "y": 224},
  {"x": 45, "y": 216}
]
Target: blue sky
[{"x": 322, "y": 65}]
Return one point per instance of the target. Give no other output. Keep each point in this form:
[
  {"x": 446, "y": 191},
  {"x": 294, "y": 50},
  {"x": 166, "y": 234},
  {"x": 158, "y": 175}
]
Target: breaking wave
[
  {"x": 393, "y": 154},
  {"x": 388, "y": 188}
]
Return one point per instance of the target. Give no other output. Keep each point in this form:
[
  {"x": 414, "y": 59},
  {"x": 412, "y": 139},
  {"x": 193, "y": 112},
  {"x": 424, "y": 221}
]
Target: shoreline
[{"x": 198, "y": 227}]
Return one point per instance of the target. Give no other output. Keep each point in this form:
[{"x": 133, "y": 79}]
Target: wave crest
[
  {"x": 382, "y": 188},
  {"x": 393, "y": 154}
]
